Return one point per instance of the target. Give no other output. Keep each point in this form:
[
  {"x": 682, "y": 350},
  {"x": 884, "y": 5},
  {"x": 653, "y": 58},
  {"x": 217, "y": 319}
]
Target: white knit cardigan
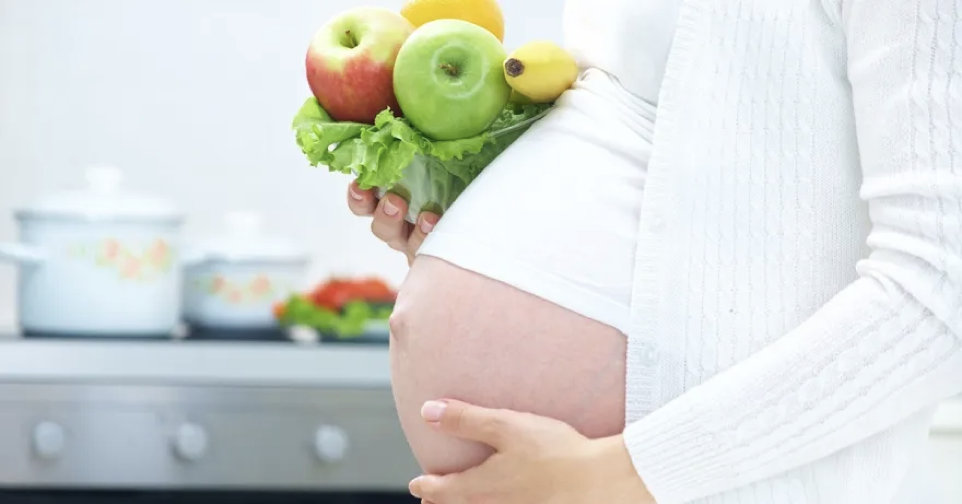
[{"x": 798, "y": 301}]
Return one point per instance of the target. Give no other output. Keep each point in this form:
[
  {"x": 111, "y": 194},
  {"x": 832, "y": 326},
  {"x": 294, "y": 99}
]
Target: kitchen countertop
[
  {"x": 948, "y": 418},
  {"x": 234, "y": 363},
  {"x": 199, "y": 362}
]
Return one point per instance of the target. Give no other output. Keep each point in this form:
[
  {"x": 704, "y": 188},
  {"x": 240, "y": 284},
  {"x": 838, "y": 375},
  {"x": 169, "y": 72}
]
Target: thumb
[{"x": 493, "y": 427}]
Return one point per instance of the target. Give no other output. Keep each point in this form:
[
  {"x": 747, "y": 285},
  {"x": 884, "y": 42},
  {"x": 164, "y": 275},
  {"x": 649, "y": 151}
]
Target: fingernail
[
  {"x": 426, "y": 225},
  {"x": 413, "y": 487},
  {"x": 389, "y": 209},
  {"x": 354, "y": 194},
  {"x": 432, "y": 410}
]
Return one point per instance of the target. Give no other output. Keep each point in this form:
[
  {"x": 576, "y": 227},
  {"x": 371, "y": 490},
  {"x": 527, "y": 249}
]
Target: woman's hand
[
  {"x": 536, "y": 459},
  {"x": 389, "y": 224}
]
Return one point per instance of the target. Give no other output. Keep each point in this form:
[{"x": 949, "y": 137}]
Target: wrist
[{"x": 612, "y": 462}]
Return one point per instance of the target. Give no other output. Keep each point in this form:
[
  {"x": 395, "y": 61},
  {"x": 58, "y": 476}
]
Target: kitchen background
[{"x": 192, "y": 99}]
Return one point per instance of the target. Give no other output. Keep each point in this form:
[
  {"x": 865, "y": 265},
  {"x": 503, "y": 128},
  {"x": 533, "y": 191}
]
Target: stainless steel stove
[{"x": 95, "y": 420}]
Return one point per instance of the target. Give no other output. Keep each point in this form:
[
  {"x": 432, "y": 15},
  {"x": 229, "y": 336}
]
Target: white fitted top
[
  {"x": 556, "y": 215},
  {"x": 600, "y": 33}
]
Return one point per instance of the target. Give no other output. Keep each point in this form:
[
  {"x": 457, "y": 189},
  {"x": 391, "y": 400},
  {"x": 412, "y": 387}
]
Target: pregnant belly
[{"x": 460, "y": 335}]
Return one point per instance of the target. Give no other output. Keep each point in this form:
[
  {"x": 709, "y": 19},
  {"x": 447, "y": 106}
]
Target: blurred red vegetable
[{"x": 337, "y": 292}]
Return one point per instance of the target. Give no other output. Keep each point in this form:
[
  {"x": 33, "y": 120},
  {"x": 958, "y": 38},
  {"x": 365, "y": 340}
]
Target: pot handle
[{"x": 22, "y": 253}]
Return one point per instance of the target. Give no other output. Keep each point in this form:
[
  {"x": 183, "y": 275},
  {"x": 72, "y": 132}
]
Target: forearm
[{"x": 863, "y": 363}]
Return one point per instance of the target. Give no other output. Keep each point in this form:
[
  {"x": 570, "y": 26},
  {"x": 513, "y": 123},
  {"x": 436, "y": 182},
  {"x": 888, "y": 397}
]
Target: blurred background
[{"x": 192, "y": 101}]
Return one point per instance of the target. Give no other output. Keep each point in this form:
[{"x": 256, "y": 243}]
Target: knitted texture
[{"x": 798, "y": 303}]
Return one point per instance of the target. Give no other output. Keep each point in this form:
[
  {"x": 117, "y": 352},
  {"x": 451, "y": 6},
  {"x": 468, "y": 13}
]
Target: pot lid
[
  {"x": 103, "y": 198},
  {"x": 244, "y": 239}
]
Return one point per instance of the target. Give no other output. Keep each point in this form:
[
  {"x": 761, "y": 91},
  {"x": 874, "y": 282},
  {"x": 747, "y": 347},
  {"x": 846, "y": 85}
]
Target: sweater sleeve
[{"x": 889, "y": 344}]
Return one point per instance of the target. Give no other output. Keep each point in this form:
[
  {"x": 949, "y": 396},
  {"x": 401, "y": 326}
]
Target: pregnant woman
[{"x": 730, "y": 260}]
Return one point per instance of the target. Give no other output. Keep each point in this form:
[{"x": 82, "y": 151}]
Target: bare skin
[{"x": 460, "y": 335}]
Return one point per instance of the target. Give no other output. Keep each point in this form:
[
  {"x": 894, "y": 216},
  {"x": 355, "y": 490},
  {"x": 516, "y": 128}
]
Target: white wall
[{"x": 193, "y": 99}]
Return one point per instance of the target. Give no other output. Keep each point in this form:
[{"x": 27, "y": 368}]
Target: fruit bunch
[{"x": 419, "y": 102}]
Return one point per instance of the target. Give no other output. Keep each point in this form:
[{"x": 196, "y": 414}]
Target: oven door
[
  {"x": 136, "y": 443},
  {"x": 200, "y": 497}
]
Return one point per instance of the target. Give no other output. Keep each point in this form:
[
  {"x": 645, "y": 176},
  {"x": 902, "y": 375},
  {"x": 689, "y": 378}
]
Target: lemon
[{"x": 484, "y": 13}]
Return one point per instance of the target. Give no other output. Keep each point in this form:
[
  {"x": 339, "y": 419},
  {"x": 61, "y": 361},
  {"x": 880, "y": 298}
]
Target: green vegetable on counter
[{"x": 350, "y": 322}]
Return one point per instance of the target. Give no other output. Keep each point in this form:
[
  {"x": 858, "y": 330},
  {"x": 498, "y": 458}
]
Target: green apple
[{"x": 448, "y": 79}]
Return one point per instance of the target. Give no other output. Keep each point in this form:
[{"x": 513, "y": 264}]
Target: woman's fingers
[
  {"x": 425, "y": 224},
  {"x": 493, "y": 427},
  {"x": 389, "y": 224},
  {"x": 458, "y": 488},
  {"x": 361, "y": 202}
]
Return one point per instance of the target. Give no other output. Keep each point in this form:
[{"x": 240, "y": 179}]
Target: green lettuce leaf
[
  {"x": 392, "y": 155},
  {"x": 316, "y": 132}
]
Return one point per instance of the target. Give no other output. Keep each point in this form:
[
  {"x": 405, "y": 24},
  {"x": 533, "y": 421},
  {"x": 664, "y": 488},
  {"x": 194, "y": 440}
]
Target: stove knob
[
  {"x": 190, "y": 442},
  {"x": 330, "y": 443},
  {"x": 48, "y": 440}
]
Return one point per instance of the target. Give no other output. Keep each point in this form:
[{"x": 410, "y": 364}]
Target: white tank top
[
  {"x": 629, "y": 39},
  {"x": 556, "y": 215}
]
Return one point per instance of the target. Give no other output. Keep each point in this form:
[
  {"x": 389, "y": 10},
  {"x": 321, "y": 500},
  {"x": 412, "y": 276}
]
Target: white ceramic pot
[
  {"x": 232, "y": 281},
  {"x": 97, "y": 262}
]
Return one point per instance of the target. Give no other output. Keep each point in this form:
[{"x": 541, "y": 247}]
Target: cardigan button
[
  {"x": 648, "y": 353},
  {"x": 656, "y": 223}
]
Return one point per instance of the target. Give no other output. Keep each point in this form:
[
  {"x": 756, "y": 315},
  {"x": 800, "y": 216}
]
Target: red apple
[{"x": 350, "y": 63}]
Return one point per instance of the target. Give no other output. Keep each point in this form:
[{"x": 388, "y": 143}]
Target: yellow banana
[{"x": 540, "y": 71}]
